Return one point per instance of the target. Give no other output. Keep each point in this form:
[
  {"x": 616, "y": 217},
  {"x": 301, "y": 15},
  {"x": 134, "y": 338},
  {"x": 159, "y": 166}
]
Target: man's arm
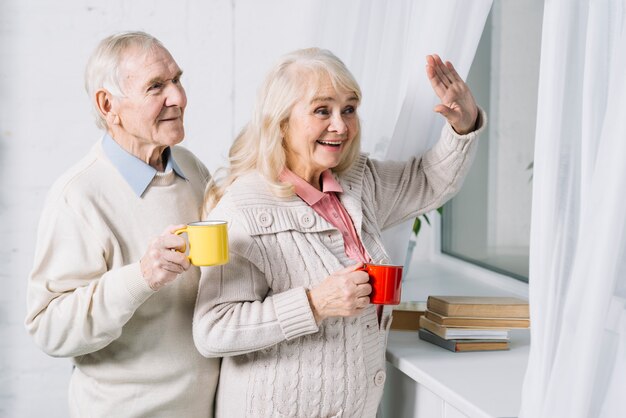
[{"x": 77, "y": 302}]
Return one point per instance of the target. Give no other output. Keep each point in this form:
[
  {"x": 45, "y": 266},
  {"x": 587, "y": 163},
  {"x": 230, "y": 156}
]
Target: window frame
[
  {"x": 430, "y": 240},
  {"x": 499, "y": 276}
]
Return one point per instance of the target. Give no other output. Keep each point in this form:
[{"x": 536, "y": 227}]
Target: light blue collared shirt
[{"x": 137, "y": 173}]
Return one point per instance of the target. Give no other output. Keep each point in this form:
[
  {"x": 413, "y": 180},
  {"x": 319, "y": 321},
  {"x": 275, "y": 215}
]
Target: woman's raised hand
[
  {"x": 343, "y": 293},
  {"x": 457, "y": 103}
]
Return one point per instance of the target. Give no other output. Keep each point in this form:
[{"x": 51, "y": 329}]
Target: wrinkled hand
[
  {"x": 457, "y": 103},
  {"x": 163, "y": 261},
  {"x": 343, "y": 293}
]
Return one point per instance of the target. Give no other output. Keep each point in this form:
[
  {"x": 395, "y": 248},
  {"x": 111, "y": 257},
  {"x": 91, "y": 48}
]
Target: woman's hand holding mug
[
  {"x": 343, "y": 293},
  {"x": 386, "y": 281}
]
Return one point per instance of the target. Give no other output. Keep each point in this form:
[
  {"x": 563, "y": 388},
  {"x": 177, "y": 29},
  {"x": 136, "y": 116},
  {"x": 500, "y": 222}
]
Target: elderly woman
[{"x": 290, "y": 313}]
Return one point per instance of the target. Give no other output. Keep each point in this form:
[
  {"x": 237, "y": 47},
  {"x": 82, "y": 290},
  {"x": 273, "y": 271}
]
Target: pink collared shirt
[{"x": 327, "y": 205}]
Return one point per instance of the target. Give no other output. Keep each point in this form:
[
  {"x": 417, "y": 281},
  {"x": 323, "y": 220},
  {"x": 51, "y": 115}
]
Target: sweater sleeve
[
  {"x": 76, "y": 302},
  {"x": 236, "y": 311},
  {"x": 406, "y": 189}
]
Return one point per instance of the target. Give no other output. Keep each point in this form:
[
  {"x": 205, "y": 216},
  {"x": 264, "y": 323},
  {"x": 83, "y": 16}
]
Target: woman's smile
[{"x": 333, "y": 144}]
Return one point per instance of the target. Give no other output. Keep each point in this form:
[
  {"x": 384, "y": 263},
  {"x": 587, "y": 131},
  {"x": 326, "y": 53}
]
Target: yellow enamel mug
[{"x": 208, "y": 242}]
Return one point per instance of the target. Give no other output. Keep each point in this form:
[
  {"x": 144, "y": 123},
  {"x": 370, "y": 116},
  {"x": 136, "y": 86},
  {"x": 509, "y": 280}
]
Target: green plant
[{"x": 417, "y": 224}]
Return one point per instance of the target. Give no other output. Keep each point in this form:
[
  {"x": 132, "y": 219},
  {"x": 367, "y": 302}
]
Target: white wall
[{"x": 46, "y": 125}]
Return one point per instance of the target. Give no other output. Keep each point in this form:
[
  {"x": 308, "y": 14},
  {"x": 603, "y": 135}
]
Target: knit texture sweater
[
  {"x": 255, "y": 313},
  {"x": 132, "y": 346}
]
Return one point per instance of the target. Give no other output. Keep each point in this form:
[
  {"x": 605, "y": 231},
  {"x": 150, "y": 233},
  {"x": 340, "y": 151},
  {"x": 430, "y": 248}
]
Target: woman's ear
[
  {"x": 284, "y": 127},
  {"x": 104, "y": 104}
]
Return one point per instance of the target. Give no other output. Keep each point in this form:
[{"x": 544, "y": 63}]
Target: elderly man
[{"x": 107, "y": 287}]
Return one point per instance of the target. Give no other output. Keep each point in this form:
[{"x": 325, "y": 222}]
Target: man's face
[{"x": 151, "y": 112}]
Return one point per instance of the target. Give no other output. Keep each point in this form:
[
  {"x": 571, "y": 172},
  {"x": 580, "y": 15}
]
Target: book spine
[
  {"x": 433, "y": 327},
  {"x": 466, "y": 322},
  {"x": 481, "y": 310},
  {"x": 435, "y": 305},
  {"x": 435, "y": 339}
]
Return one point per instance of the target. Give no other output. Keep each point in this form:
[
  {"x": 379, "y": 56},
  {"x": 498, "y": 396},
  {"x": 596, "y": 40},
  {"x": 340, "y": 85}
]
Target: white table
[{"x": 427, "y": 381}]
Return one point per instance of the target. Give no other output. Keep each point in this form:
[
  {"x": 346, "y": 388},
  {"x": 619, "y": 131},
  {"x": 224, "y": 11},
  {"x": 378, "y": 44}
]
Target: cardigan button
[
  {"x": 379, "y": 378},
  {"x": 307, "y": 220},
  {"x": 265, "y": 219}
]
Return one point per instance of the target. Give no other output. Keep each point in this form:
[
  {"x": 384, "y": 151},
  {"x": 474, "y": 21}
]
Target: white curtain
[
  {"x": 577, "y": 364},
  {"x": 384, "y": 44}
]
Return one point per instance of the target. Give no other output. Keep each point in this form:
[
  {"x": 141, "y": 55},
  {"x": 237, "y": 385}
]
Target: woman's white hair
[
  {"x": 102, "y": 71},
  {"x": 260, "y": 144}
]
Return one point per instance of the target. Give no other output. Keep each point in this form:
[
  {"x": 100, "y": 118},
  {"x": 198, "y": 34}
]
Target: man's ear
[{"x": 104, "y": 103}]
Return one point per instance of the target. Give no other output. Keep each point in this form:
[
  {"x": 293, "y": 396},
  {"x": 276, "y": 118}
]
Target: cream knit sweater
[
  {"x": 254, "y": 311},
  {"x": 132, "y": 347}
]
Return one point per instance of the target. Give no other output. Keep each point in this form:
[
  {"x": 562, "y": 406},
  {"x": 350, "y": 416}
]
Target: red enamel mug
[{"x": 386, "y": 282}]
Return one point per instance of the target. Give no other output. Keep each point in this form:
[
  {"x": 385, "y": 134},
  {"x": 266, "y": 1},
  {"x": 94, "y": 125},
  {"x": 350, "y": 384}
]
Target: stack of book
[
  {"x": 472, "y": 323},
  {"x": 406, "y": 316}
]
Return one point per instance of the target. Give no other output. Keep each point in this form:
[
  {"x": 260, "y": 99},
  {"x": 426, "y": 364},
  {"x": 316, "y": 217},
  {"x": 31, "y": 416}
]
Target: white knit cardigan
[{"x": 254, "y": 311}]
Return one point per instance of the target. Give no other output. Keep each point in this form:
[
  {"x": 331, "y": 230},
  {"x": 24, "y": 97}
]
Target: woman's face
[{"x": 320, "y": 128}]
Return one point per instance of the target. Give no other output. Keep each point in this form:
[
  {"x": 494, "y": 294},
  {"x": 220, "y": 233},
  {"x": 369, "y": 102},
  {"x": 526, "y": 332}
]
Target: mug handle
[
  {"x": 362, "y": 268},
  {"x": 182, "y": 231}
]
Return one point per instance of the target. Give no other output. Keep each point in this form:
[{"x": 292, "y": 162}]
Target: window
[{"x": 488, "y": 222}]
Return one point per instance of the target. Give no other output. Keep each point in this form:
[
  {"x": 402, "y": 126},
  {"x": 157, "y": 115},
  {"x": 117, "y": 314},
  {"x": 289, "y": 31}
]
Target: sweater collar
[
  {"x": 251, "y": 193},
  {"x": 137, "y": 173},
  {"x": 307, "y": 192}
]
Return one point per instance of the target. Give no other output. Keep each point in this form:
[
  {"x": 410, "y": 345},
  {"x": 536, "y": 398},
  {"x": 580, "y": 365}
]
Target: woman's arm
[
  {"x": 401, "y": 190},
  {"x": 235, "y": 315},
  {"x": 236, "y": 311}
]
